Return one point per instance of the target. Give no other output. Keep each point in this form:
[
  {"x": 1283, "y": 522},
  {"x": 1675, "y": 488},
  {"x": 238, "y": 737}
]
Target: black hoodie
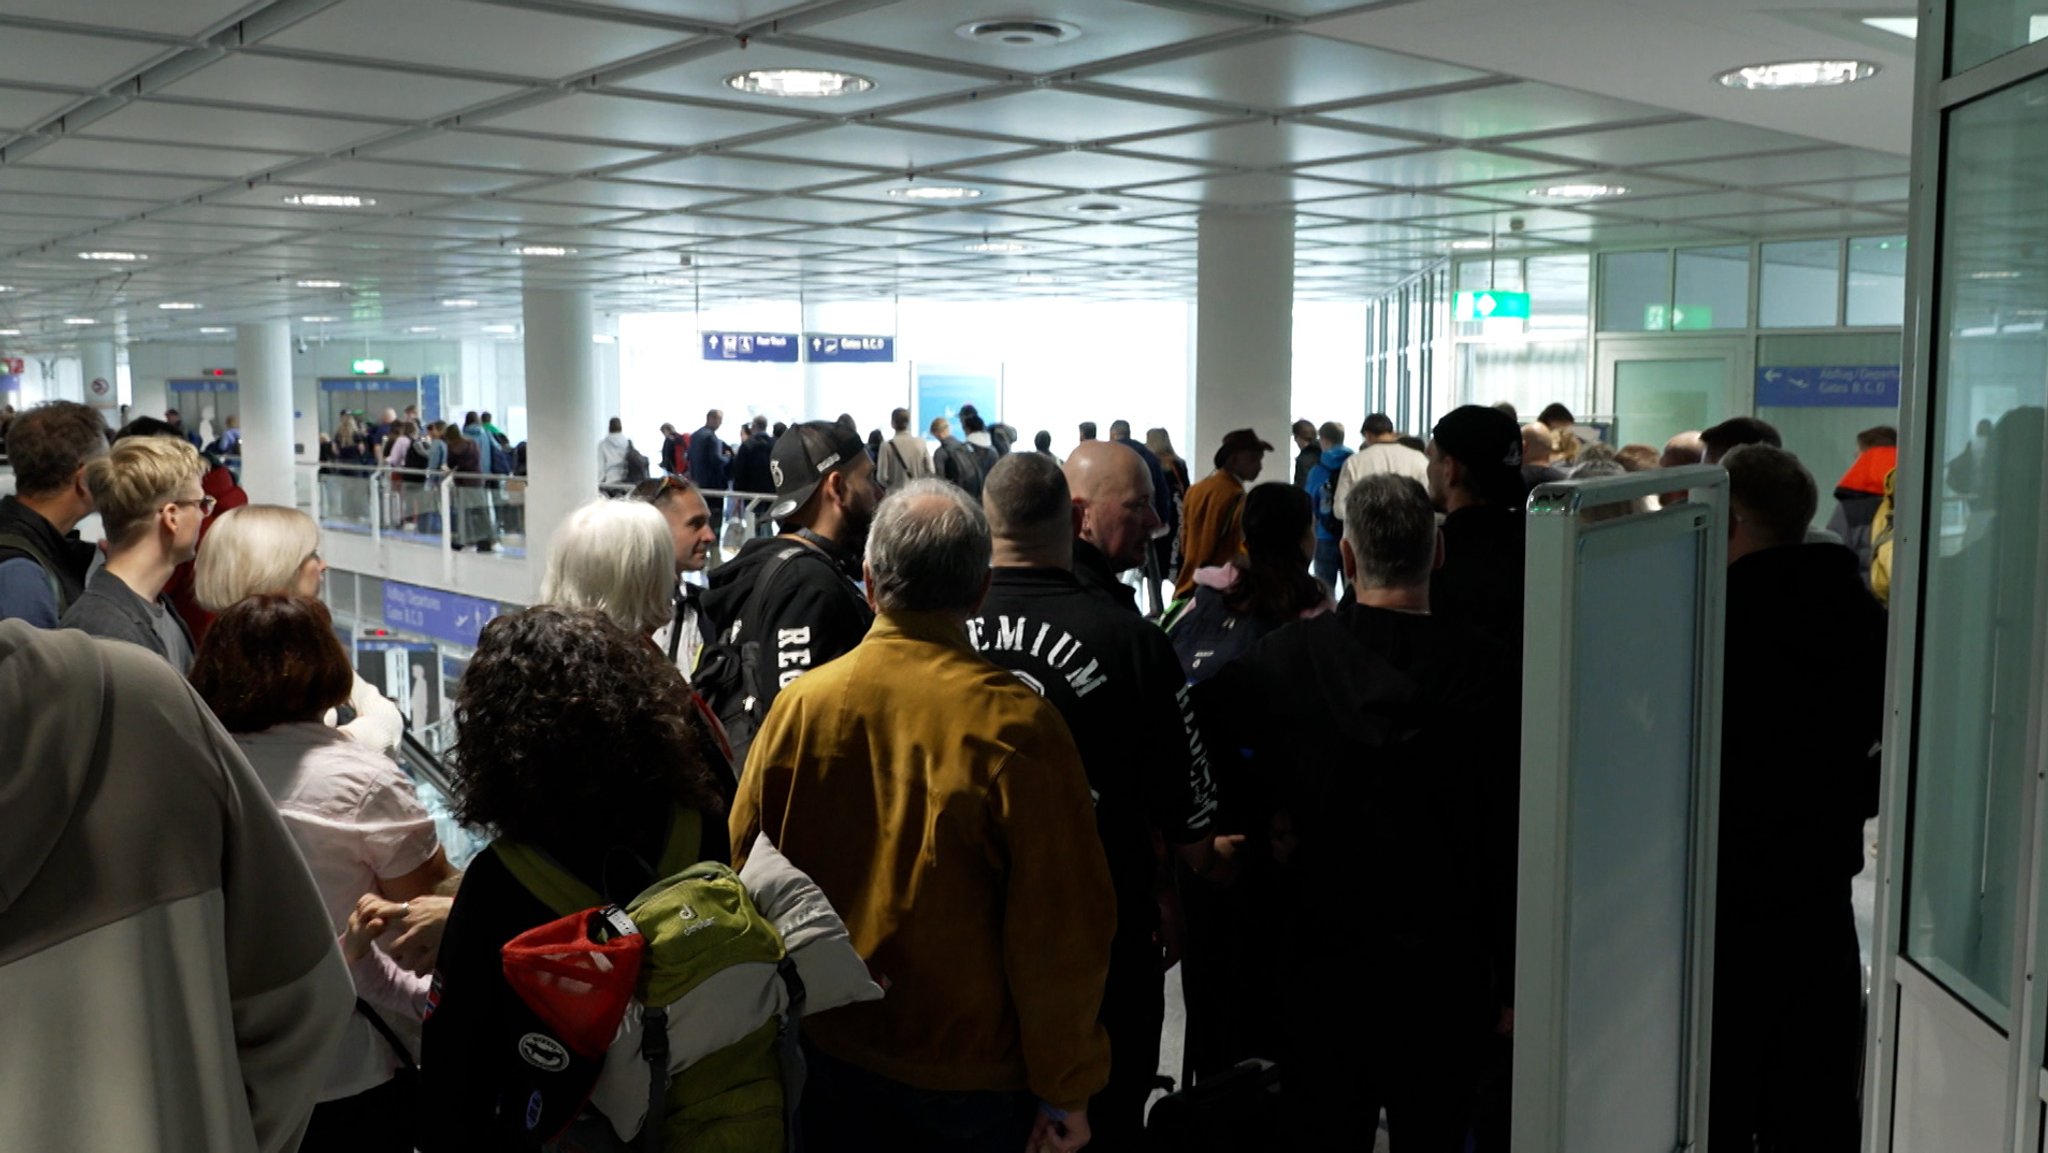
[{"x": 811, "y": 611}]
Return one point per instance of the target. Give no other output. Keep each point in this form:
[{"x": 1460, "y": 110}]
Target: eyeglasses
[
  {"x": 205, "y": 503},
  {"x": 652, "y": 490}
]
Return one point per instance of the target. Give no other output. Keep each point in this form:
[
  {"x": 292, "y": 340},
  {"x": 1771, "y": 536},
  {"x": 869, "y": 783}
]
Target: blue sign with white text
[
  {"x": 208, "y": 384},
  {"x": 367, "y": 384},
  {"x": 436, "y": 613},
  {"x": 838, "y": 348},
  {"x": 757, "y": 347},
  {"x": 1828, "y": 386}
]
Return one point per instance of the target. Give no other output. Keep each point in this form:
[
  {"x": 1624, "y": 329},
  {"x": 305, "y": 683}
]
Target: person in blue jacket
[{"x": 1322, "y": 487}]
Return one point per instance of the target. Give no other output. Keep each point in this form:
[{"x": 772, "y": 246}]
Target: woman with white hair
[
  {"x": 268, "y": 548},
  {"x": 618, "y": 557}
]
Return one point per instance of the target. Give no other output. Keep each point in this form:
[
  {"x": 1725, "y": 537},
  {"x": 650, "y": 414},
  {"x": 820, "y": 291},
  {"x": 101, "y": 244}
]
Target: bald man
[
  {"x": 1539, "y": 444},
  {"x": 1116, "y": 681},
  {"x": 1111, "y": 490},
  {"x": 1681, "y": 450}
]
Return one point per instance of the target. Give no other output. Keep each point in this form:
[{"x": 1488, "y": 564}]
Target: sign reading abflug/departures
[
  {"x": 758, "y": 347},
  {"x": 845, "y": 348},
  {"x": 435, "y": 613}
]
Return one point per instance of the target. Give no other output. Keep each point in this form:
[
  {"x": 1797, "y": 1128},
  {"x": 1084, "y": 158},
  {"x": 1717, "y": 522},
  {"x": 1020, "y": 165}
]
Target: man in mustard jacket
[{"x": 942, "y": 806}]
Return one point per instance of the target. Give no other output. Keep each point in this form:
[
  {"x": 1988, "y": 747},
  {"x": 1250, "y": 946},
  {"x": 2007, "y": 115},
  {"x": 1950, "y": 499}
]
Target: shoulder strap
[
  {"x": 898, "y": 454},
  {"x": 48, "y": 564},
  {"x": 767, "y": 576},
  {"x": 565, "y": 893},
  {"x": 385, "y": 1031}
]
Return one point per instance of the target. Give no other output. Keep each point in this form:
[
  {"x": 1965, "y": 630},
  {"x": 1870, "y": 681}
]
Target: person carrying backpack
[
  {"x": 1368, "y": 746},
  {"x": 1323, "y": 480},
  {"x": 954, "y": 461}
]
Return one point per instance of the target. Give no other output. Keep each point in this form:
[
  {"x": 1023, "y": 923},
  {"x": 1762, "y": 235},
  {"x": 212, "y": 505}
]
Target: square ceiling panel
[
  {"x": 1105, "y": 29},
  {"x": 683, "y": 225},
  {"x": 1098, "y": 208},
  {"x": 233, "y": 128},
  {"x": 375, "y": 176},
  {"x": 155, "y": 159},
  {"x": 1668, "y": 144},
  {"x": 1060, "y": 117},
  {"x": 479, "y": 37},
  {"x": 738, "y": 172},
  {"x": 67, "y": 207},
  {"x": 1796, "y": 167},
  {"x": 626, "y": 119},
  {"x": 170, "y": 17},
  {"x": 1528, "y": 190},
  {"x": 806, "y": 210},
  {"x": 521, "y": 212},
  {"x": 1108, "y": 235},
  {"x": 1266, "y": 144},
  {"x": 624, "y": 195},
  {"x": 1084, "y": 170},
  {"x": 31, "y": 56},
  {"x": 23, "y": 108},
  {"x": 1506, "y": 110},
  {"x": 276, "y": 83},
  {"x": 15, "y": 178},
  {"x": 1287, "y": 72},
  {"x": 1347, "y": 236},
  {"x": 704, "y": 78},
  {"x": 898, "y": 149},
  {"x": 526, "y": 154},
  {"x": 1681, "y": 209},
  {"x": 1862, "y": 193},
  {"x": 1437, "y": 168},
  {"x": 1251, "y": 189}
]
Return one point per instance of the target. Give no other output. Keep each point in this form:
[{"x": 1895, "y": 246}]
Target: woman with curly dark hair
[
  {"x": 1264, "y": 587},
  {"x": 574, "y": 737}
]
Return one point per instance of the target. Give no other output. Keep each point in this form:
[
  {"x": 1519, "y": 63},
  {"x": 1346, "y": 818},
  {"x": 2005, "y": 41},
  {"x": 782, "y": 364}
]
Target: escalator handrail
[{"x": 423, "y": 761}]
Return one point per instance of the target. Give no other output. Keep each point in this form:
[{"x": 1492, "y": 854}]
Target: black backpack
[
  {"x": 1206, "y": 635},
  {"x": 726, "y": 676},
  {"x": 1326, "y": 505},
  {"x": 416, "y": 454},
  {"x": 959, "y": 464},
  {"x": 636, "y": 464}
]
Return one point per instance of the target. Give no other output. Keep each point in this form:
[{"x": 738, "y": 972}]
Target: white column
[
  {"x": 99, "y": 363},
  {"x": 263, "y": 377},
  {"x": 565, "y": 419},
  {"x": 1244, "y": 336}
]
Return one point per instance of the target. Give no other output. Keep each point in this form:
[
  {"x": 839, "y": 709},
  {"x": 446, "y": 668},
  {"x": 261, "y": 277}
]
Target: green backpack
[{"x": 717, "y": 992}]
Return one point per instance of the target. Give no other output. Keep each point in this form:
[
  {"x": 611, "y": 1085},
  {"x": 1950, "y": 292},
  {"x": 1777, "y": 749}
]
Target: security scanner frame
[
  {"x": 192, "y": 396},
  {"x": 1621, "y": 721},
  {"x": 372, "y": 393}
]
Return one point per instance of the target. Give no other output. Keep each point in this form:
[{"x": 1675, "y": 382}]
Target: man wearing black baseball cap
[
  {"x": 1211, "y": 529},
  {"x": 1475, "y": 479},
  {"x": 789, "y": 603}
]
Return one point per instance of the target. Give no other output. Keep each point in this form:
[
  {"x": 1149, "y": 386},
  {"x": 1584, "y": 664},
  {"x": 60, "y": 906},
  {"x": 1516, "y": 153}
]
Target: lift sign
[{"x": 1828, "y": 386}]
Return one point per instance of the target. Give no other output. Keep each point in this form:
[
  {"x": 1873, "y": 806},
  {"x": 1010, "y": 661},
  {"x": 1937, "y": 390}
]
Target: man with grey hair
[
  {"x": 1384, "y": 735},
  {"x": 942, "y": 807},
  {"x": 1114, "y": 677}
]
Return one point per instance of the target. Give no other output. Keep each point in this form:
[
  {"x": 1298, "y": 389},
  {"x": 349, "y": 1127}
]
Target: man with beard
[{"x": 789, "y": 603}]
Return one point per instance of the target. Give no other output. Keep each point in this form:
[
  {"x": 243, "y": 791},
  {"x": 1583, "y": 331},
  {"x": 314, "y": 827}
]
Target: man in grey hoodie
[{"x": 170, "y": 976}]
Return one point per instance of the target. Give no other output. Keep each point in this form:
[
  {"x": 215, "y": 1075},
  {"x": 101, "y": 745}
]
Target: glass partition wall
[{"x": 1957, "y": 1005}]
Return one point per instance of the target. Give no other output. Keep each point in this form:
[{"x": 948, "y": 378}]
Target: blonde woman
[{"x": 267, "y": 548}]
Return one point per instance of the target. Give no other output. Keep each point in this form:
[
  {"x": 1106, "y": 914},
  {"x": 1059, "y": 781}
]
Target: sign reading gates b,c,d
[
  {"x": 1828, "y": 386},
  {"x": 436, "y": 613},
  {"x": 842, "y": 348}
]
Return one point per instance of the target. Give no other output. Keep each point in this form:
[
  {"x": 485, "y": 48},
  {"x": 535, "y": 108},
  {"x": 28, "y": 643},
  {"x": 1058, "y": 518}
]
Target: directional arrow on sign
[
  {"x": 1486, "y": 304},
  {"x": 1772, "y": 375}
]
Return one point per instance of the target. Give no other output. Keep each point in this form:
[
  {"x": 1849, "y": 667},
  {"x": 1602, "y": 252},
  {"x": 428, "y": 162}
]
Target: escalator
[{"x": 436, "y": 789}]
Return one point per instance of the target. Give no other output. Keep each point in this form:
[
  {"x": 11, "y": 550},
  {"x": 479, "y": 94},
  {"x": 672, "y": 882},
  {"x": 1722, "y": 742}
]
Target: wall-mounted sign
[
  {"x": 1677, "y": 317},
  {"x": 13, "y": 365},
  {"x": 216, "y": 372},
  {"x": 1828, "y": 386},
  {"x": 758, "y": 347},
  {"x": 436, "y": 613},
  {"x": 366, "y": 366},
  {"x": 841, "y": 348},
  {"x": 99, "y": 388},
  {"x": 355, "y": 384},
  {"x": 209, "y": 384},
  {"x": 1489, "y": 305},
  {"x": 943, "y": 390}
]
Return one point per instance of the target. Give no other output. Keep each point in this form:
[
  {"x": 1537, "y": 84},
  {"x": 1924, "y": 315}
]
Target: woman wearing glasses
[
  {"x": 267, "y": 548},
  {"x": 151, "y": 506}
]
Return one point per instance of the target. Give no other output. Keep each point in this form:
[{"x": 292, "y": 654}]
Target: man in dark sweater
[
  {"x": 42, "y": 562},
  {"x": 1802, "y": 712},
  {"x": 1475, "y": 479},
  {"x": 751, "y": 473},
  {"x": 1115, "y": 680},
  {"x": 1112, "y": 494}
]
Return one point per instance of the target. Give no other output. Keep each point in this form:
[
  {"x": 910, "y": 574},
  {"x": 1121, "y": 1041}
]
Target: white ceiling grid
[{"x": 177, "y": 128}]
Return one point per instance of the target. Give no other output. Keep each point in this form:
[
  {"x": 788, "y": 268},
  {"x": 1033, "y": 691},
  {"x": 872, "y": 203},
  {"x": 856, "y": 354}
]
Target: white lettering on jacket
[{"x": 1063, "y": 658}]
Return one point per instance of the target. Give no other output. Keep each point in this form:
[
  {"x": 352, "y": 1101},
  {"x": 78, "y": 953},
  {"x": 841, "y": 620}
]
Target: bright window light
[{"x": 1794, "y": 74}]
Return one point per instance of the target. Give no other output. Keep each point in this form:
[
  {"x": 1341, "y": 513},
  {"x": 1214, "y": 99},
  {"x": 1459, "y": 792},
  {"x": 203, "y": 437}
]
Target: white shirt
[
  {"x": 356, "y": 820},
  {"x": 1388, "y": 456}
]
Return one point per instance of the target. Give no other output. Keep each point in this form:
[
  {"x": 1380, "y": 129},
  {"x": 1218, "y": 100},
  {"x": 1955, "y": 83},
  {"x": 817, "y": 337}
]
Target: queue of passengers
[{"x": 1018, "y": 800}]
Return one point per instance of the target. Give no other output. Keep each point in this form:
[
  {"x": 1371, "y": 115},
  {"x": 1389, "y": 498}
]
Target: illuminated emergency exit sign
[{"x": 1467, "y": 307}]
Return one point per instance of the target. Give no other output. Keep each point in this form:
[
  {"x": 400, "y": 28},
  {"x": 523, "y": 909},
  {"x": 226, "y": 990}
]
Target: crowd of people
[{"x": 931, "y": 690}]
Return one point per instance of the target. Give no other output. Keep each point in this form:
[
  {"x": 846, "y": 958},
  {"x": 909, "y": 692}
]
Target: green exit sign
[
  {"x": 368, "y": 366},
  {"x": 1678, "y": 318},
  {"x": 1489, "y": 305}
]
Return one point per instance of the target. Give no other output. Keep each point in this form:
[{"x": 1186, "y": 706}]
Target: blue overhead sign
[
  {"x": 208, "y": 384},
  {"x": 367, "y": 384},
  {"x": 758, "y": 347},
  {"x": 436, "y": 613},
  {"x": 1828, "y": 386},
  {"x": 840, "y": 348}
]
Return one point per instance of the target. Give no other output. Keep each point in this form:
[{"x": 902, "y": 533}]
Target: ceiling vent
[
  {"x": 1097, "y": 208},
  {"x": 1018, "y": 32}
]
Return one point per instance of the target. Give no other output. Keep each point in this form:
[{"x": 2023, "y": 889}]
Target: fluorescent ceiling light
[
  {"x": 213, "y": 330},
  {"x": 543, "y": 250},
  {"x": 330, "y": 200},
  {"x": 458, "y": 303},
  {"x": 669, "y": 281},
  {"x": 323, "y": 284},
  {"x": 10, "y": 332},
  {"x": 997, "y": 246},
  {"x": 419, "y": 328},
  {"x": 1793, "y": 74},
  {"x": 113, "y": 257},
  {"x": 6, "y": 288},
  {"x": 1038, "y": 278},
  {"x": 1471, "y": 245},
  {"x": 80, "y": 320},
  {"x": 180, "y": 306},
  {"x": 501, "y": 329},
  {"x": 1997, "y": 274},
  {"x": 936, "y": 192},
  {"x": 798, "y": 83},
  {"x": 320, "y": 319},
  {"x": 1579, "y": 191}
]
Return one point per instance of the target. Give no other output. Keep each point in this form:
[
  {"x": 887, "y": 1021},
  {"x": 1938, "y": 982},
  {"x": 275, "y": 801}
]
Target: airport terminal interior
[{"x": 298, "y": 225}]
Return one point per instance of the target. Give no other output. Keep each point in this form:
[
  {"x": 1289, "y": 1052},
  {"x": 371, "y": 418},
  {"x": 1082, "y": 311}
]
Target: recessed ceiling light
[
  {"x": 1097, "y": 208},
  {"x": 113, "y": 257},
  {"x": 330, "y": 200},
  {"x": 669, "y": 281},
  {"x": 320, "y": 319},
  {"x": 1038, "y": 278},
  {"x": 1797, "y": 74},
  {"x": 80, "y": 320},
  {"x": 458, "y": 303},
  {"x": 997, "y": 246},
  {"x": 1126, "y": 273},
  {"x": 1997, "y": 274},
  {"x": 6, "y": 288},
  {"x": 10, "y": 332},
  {"x": 798, "y": 83},
  {"x": 501, "y": 329},
  {"x": 1579, "y": 191},
  {"x": 323, "y": 284},
  {"x": 212, "y": 330},
  {"x": 1018, "y": 32},
  {"x": 936, "y": 192},
  {"x": 542, "y": 250},
  {"x": 1475, "y": 245},
  {"x": 180, "y": 306},
  {"x": 419, "y": 328}
]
